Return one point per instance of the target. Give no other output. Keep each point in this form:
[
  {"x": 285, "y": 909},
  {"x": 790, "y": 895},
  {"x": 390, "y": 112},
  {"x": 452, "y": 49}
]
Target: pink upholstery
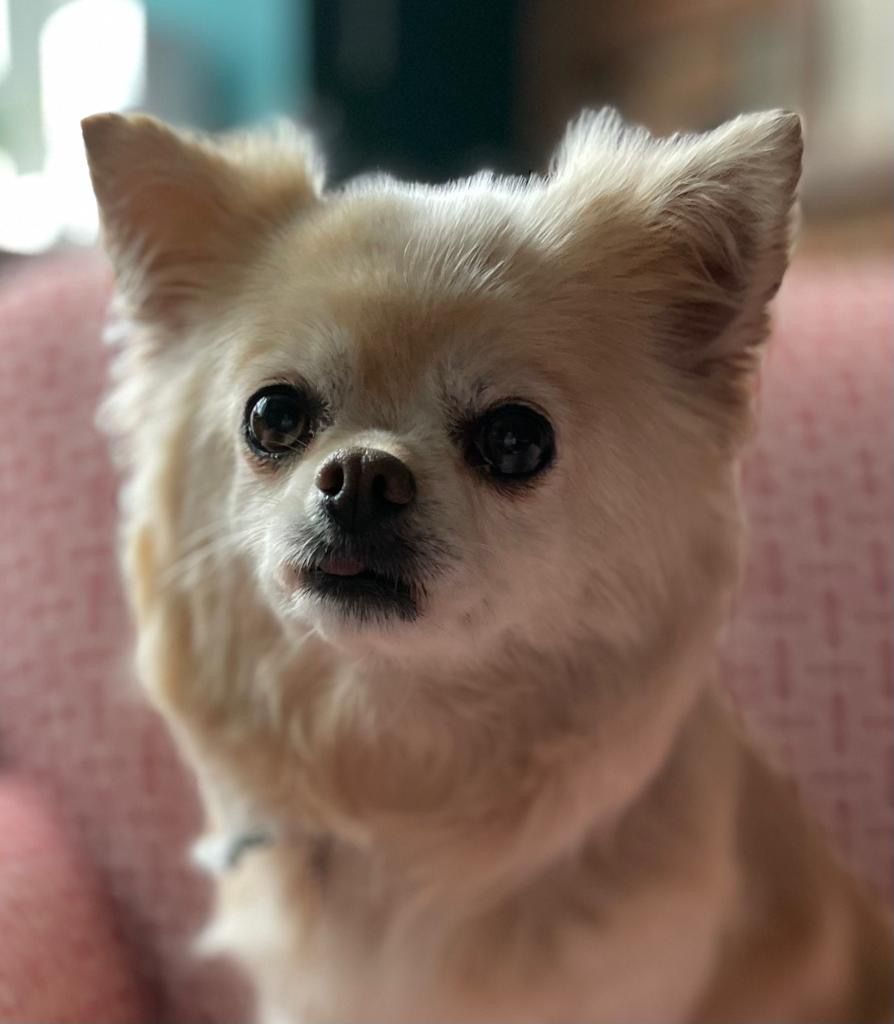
[
  {"x": 811, "y": 656},
  {"x": 810, "y": 659},
  {"x": 60, "y": 959},
  {"x": 70, "y": 715}
]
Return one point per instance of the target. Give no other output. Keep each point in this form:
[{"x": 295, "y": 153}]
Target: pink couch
[{"x": 810, "y": 658}]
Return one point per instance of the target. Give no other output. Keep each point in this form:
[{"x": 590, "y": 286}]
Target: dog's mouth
[{"x": 358, "y": 589}]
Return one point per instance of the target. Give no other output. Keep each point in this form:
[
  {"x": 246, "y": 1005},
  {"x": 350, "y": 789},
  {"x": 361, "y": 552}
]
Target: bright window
[{"x": 64, "y": 60}]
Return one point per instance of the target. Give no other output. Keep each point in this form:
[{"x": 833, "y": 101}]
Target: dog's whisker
[{"x": 200, "y": 554}]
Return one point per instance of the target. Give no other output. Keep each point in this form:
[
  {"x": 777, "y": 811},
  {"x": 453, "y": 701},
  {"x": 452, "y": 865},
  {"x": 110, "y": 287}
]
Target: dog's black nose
[{"x": 362, "y": 486}]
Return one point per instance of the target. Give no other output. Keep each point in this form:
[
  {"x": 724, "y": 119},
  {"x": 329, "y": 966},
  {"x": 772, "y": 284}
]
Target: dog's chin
[{"x": 341, "y": 598}]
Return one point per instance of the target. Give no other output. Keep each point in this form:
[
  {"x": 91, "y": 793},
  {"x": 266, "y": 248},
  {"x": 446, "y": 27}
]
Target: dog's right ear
[
  {"x": 699, "y": 227},
  {"x": 181, "y": 214}
]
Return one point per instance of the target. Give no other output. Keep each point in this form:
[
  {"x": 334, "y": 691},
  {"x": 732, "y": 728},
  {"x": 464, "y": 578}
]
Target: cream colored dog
[{"x": 430, "y": 526}]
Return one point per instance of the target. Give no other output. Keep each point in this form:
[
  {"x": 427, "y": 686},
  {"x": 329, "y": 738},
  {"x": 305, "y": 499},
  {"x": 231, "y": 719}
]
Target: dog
[{"x": 430, "y": 524}]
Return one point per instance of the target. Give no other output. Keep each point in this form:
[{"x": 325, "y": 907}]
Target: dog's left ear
[
  {"x": 182, "y": 213},
  {"x": 708, "y": 221}
]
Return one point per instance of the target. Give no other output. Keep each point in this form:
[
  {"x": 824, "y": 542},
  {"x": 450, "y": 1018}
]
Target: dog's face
[{"x": 437, "y": 419}]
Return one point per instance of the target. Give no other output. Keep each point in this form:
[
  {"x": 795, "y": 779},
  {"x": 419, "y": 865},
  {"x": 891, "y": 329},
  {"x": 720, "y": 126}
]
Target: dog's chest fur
[
  {"x": 332, "y": 930},
  {"x": 333, "y": 935}
]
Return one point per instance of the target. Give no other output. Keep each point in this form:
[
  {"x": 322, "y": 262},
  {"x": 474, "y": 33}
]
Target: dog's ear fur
[
  {"x": 180, "y": 212},
  {"x": 713, "y": 217}
]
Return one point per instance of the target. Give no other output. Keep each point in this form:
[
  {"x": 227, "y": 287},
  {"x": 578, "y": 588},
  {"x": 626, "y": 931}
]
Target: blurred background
[{"x": 436, "y": 88}]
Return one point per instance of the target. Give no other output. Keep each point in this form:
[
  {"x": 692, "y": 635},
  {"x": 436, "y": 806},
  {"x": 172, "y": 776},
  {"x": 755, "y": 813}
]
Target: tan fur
[{"x": 530, "y": 803}]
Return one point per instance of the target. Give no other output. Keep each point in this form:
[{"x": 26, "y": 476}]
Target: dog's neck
[{"x": 391, "y": 757}]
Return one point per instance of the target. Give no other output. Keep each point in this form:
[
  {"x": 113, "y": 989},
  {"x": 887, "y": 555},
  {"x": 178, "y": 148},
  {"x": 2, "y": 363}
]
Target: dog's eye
[
  {"x": 511, "y": 442},
  {"x": 278, "y": 421}
]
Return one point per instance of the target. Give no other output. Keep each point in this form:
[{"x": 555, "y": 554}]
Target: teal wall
[{"x": 258, "y": 51}]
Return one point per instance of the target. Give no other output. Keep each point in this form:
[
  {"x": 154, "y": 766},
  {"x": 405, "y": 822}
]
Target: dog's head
[{"x": 440, "y": 419}]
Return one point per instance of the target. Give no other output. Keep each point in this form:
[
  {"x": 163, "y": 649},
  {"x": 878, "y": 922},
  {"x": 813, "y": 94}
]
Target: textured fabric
[
  {"x": 60, "y": 960},
  {"x": 69, "y": 713},
  {"x": 809, "y": 660},
  {"x": 811, "y": 655}
]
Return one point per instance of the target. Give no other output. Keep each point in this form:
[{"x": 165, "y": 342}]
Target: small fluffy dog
[{"x": 430, "y": 526}]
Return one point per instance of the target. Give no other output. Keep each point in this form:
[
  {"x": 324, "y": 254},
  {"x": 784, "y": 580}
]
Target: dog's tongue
[{"x": 342, "y": 567}]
